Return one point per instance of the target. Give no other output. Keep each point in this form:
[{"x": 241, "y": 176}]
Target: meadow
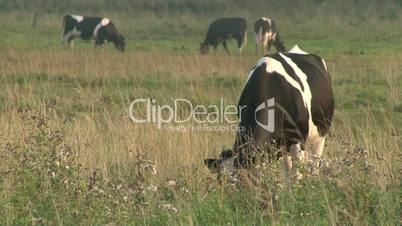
[{"x": 70, "y": 155}]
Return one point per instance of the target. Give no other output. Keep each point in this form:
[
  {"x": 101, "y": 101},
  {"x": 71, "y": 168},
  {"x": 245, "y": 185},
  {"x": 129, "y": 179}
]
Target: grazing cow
[
  {"x": 221, "y": 30},
  {"x": 285, "y": 109},
  {"x": 266, "y": 34},
  {"x": 98, "y": 28}
]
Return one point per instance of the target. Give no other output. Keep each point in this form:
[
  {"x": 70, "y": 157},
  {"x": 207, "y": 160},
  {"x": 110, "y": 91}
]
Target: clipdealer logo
[
  {"x": 147, "y": 110},
  {"x": 269, "y": 107}
]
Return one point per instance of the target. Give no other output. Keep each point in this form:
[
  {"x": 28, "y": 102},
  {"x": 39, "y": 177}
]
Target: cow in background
[
  {"x": 266, "y": 34},
  {"x": 101, "y": 29},
  {"x": 221, "y": 30}
]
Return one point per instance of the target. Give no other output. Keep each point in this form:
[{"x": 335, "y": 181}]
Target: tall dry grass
[{"x": 92, "y": 79}]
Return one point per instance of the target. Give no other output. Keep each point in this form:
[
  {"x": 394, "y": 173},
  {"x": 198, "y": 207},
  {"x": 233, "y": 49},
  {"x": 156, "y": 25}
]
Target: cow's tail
[
  {"x": 280, "y": 47},
  {"x": 65, "y": 18},
  {"x": 244, "y": 40}
]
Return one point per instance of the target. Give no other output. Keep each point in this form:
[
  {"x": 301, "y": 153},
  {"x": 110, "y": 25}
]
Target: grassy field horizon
[{"x": 70, "y": 155}]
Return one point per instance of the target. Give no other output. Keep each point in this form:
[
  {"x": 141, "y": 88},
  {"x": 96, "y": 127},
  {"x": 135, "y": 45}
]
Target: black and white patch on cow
[
  {"x": 224, "y": 29},
  {"x": 101, "y": 29},
  {"x": 266, "y": 34},
  {"x": 287, "y": 106}
]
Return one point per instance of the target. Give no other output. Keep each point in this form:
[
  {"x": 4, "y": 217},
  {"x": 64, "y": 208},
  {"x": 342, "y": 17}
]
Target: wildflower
[
  {"x": 150, "y": 168},
  {"x": 169, "y": 207},
  {"x": 171, "y": 183},
  {"x": 152, "y": 188}
]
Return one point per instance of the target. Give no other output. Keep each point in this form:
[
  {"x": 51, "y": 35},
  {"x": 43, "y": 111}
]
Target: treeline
[
  {"x": 335, "y": 17},
  {"x": 387, "y": 8}
]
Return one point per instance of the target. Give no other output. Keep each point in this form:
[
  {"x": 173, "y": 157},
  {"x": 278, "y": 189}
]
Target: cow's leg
[
  {"x": 242, "y": 41},
  {"x": 71, "y": 42},
  {"x": 225, "y": 45},
  {"x": 215, "y": 47},
  {"x": 264, "y": 42},
  {"x": 314, "y": 152},
  {"x": 288, "y": 164},
  {"x": 98, "y": 42},
  {"x": 102, "y": 37},
  {"x": 63, "y": 39},
  {"x": 257, "y": 42},
  {"x": 264, "y": 46},
  {"x": 256, "y": 49},
  {"x": 294, "y": 154},
  {"x": 316, "y": 147},
  {"x": 214, "y": 44},
  {"x": 269, "y": 39},
  {"x": 66, "y": 38},
  {"x": 70, "y": 35},
  {"x": 239, "y": 45}
]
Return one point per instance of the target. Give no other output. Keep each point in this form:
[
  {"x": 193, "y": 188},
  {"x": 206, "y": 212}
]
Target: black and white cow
[
  {"x": 287, "y": 104},
  {"x": 266, "y": 34},
  {"x": 98, "y": 28},
  {"x": 223, "y": 29}
]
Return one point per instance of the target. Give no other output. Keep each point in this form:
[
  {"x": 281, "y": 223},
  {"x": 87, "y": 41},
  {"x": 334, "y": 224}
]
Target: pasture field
[{"x": 70, "y": 155}]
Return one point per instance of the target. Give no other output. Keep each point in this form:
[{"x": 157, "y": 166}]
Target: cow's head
[
  {"x": 120, "y": 43},
  {"x": 225, "y": 162},
  {"x": 204, "y": 48},
  {"x": 230, "y": 161}
]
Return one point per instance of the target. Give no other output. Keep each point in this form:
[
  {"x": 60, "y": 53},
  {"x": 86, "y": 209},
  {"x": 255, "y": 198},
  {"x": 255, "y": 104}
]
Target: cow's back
[
  {"x": 227, "y": 26},
  {"x": 88, "y": 26}
]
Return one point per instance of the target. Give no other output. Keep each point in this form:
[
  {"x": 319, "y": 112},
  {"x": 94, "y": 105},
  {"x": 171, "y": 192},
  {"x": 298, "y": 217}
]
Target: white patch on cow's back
[
  {"x": 77, "y": 18},
  {"x": 273, "y": 65},
  {"x": 269, "y": 22},
  {"x": 103, "y": 22},
  {"x": 267, "y": 19},
  {"x": 296, "y": 49},
  {"x": 325, "y": 65}
]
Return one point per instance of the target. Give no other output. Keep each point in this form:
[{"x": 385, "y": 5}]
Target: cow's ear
[{"x": 214, "y": 165}]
